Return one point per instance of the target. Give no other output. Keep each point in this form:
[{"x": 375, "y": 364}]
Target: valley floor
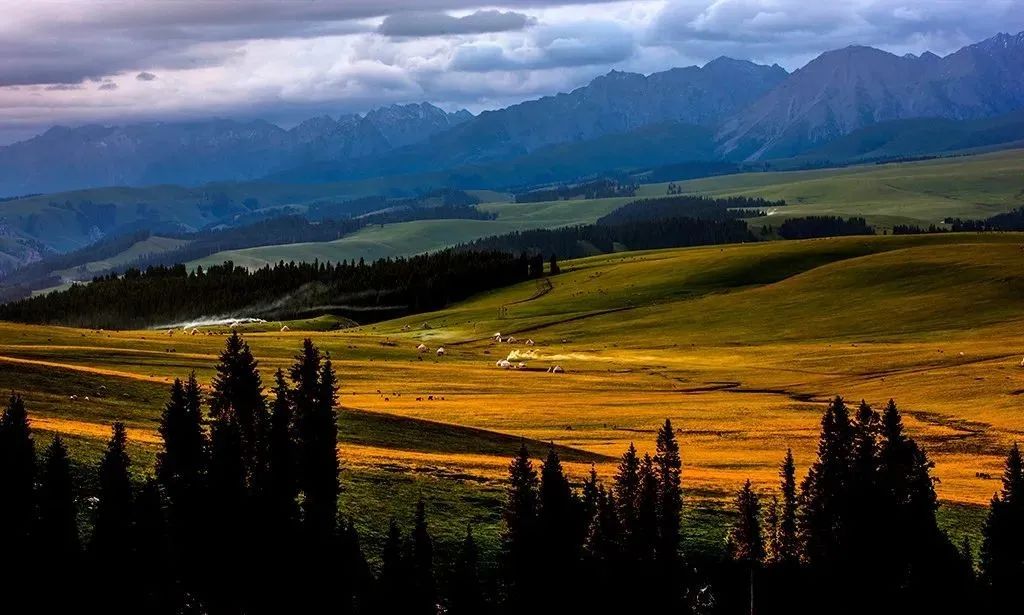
[{"x": 741, "y": 346}]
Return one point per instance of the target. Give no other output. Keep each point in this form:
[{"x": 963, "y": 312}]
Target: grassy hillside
[
  {"x": 901, "y": 193},
  {"x": 408, "y": 238},
  {"x": 741, "y": 346}
]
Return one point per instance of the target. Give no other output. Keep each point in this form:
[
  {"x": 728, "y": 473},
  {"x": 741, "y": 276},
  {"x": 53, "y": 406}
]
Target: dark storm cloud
[
  {"x": 443, "y": 24},
  {"x": 145, "y": 76},
  {"x": 58, "y": 42}
]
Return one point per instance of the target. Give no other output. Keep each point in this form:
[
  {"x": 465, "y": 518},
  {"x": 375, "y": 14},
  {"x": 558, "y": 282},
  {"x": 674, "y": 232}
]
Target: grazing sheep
[
  {"x": 960, "y": 354},
  {"x": 440, "y": 351},
  {"x": 285, "y": 328},
  {"x": 422, "y": 348},
  {"x": 73, "y": 397}
]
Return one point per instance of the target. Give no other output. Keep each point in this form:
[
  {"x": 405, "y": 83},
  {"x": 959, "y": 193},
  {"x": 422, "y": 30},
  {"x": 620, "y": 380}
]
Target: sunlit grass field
[{"x": 740, "y": 346}]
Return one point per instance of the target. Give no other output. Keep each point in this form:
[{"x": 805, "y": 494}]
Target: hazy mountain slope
[
  {"x": 843, "y": 90},
  {"x": 196, "y": 152}
]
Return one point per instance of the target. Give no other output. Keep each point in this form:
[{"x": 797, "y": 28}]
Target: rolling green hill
[
  {"x": 898, "y": 193},
  {"x": 409, "y": 238}
]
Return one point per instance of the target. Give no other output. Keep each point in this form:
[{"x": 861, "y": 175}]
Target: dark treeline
[
  {"x": 823, "y": 226},
  {"x": 441, "y": 212},
  {"x": 912, "y": 229},
  {"x": 240, "y": 515},
  {"x": 688, "y": 206},
  {"x": 579, "y": 241},
  {"x": 597, "y": 189},
  {"x": 368, "y": 292}
]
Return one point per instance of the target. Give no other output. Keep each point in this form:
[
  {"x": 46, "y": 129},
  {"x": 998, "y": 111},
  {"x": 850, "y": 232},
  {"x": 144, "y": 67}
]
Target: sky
[{"x": 73, "y": 62}]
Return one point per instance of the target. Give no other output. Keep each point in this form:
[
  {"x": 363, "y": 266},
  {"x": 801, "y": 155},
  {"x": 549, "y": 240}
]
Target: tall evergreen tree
[
  {"x": 1002, "y": 551},
  {"x": 789, "y": 540},
  {"x": 17, "y": 481},
  {"x": 668, "y": 465},
  {"x": 236, "y": 395},
  {"x": 314, "y": 395},
  {"x": 422, "y": 564},
  {"x": 112, "y": 541},
  {"x": 772, "y": 547},
  {"x": 824, "y": 516},
  {"x": 865, "y": 496},
  {"x": 627, "y": 489},
  {"x": 645, "y": 531},
  {"x": 466, "y": 597},
  {"x": 519, "y": 538},
  {"x": 561, "y": 529},
  {"x": 393, "y": 594},
  {"x": 156, "y": 586},
  {"x": 746, "y": 541},
  {"x": 58, "y": 512},
  {"x": 283, "y": 488}
]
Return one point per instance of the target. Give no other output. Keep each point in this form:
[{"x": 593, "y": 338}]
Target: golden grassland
[{"x": 740, "y": 346}]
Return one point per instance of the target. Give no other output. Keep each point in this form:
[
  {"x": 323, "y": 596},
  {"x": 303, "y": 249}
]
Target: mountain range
[{"x": 749, "y": 112}]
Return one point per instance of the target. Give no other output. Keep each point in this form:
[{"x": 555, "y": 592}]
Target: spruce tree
[
  {"x": 668, "y": 465},
  {"x": 645, "y": 531},
  {"x": 627, "y": 489},
  {"x": 1002, "y": 550},
  {"x": 865, "y": 496},
  {"x": 57, "y": 532},
  {"x": 283, "y": 488},
  {"x": 561, "y": 530},
  {"x": 422, "y": 564},
  {"x": 519, "y": 538},
  {"x": 746, "y": 541},
  {"x": 17, "y": 481},
  {"x": 58, "y": 511},
  {"x": 466, "y": 597},
  {"x": 236, "y": 394},
  {"x": 771, "y": 531},
  {"x": 788, "y": 540},
  {"x": 314, "y": 395},
  {"x": 112, "y": 543},
  {"x": 825, "y": 507},
  {"x": 394, "y": 594},
  {"x": 152, "y": 547},
  {"x": 588, "y": 499}
]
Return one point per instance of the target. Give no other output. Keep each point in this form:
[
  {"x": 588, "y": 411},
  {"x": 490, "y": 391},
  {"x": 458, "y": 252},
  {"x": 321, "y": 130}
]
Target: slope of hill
[
  {"x": 409, "y": 238},
  {"x": 918, "y": 137},
  {"x": 897, "y": 193},
  {"x": 843, "y": 90},
  {"x": 192, "y": 153}
]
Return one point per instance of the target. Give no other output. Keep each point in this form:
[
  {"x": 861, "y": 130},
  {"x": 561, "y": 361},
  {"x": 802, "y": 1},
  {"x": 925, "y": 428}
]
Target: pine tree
[
  {"x": 645, "y": 532},
  {"x": 151, "y": 548},
  {"x": 466, "y": 597},
  {"x": 554, "y": 268},
  {"x": 519, "y": 539},
  {"x": 395, "y": 582},
  {"x": 58, "y": 512},
  {"x": 789, "y": 541},
  {"x": 422, "y": 564},
  {"x": 355, "y": 585},
  {"x": 112, "y": 541},
  {"x": 626, "y": 489},
  {"x": 746, "y": 542},
  {"x": 771, "y": 531},
  {"x": 17, "y": 480},
  {"x": 314, "y": 395},
  {"x": 283, "y": 488},
  {"x": 561, "y": 529},
  {"x": 864, "y": 497},
  {"x": 236, "y": 394},
  {"x": 588, "y": 499},
  {"x": 824, "y": 516},
  {"x": 668, "y": 465},
  {"x": 57, "y": 531},
  {"x": 230, "y": 542},
  {"x": 1002, "y": 550}
]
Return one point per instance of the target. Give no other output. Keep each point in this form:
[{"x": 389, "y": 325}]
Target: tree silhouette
[
  {"x": 789, "y": 540},
  {"x": 824, "y": 522},
  {"x": 519, "y": 539},
  {"x": 422, "y": 564},
  {"x": 17, "y": 481},
  {"x": 746, "y": 542},
  {"x": 466, "y": 597},
  {"x": 58, "y": 511},
  {"x": 112, "y": 545},
  {"x": 1002, "y": 551},
  {"x": 668, "y": 465}
]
